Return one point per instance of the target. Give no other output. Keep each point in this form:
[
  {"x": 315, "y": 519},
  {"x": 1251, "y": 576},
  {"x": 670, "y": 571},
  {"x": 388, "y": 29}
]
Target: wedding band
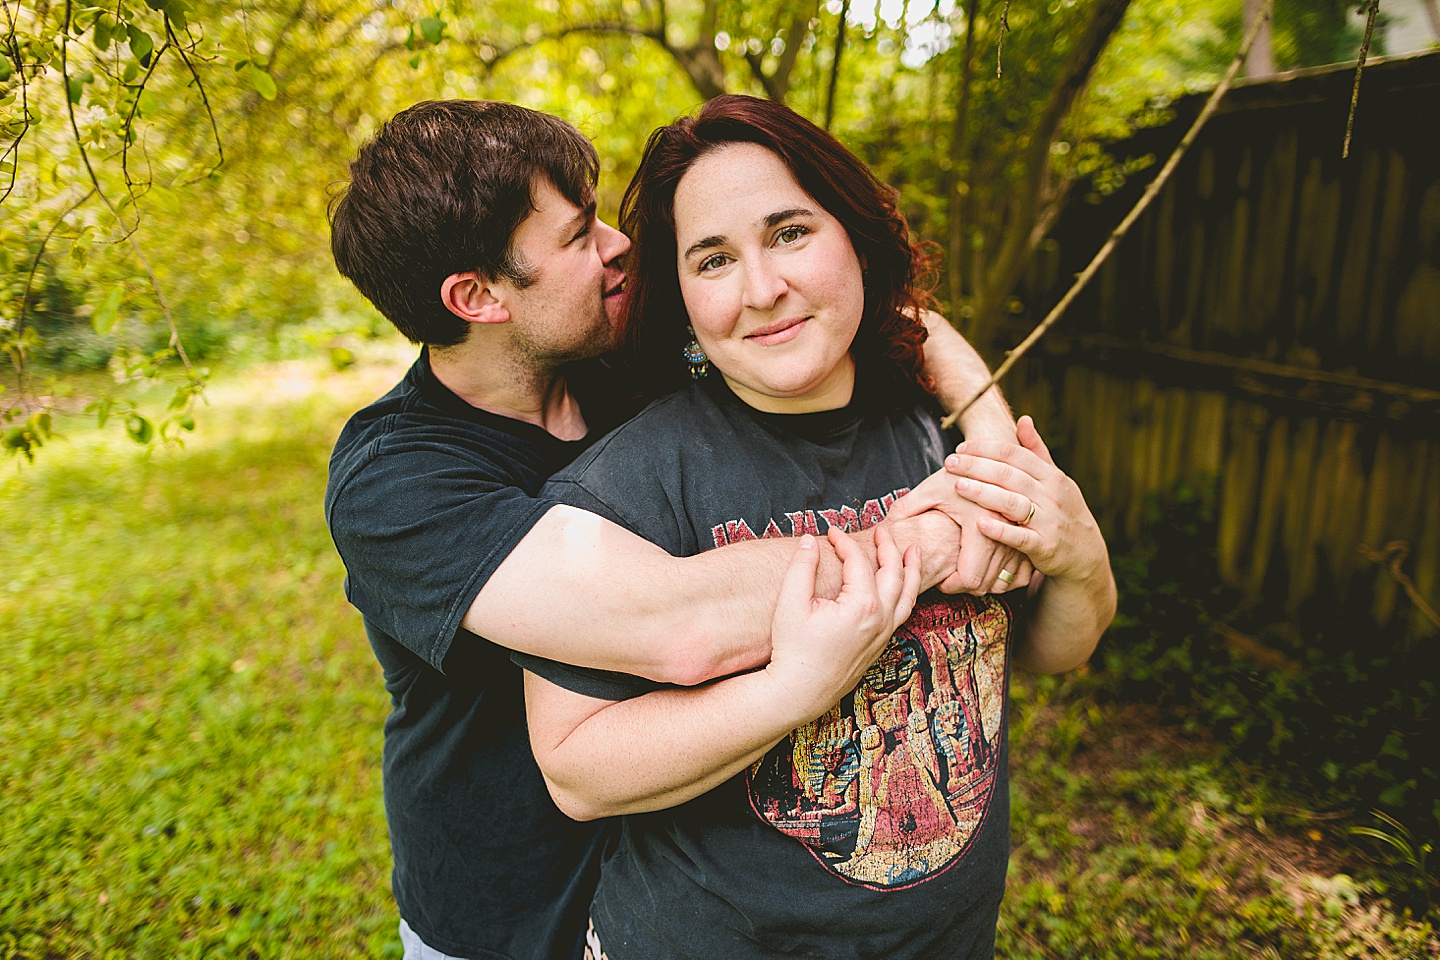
[
  {"x": 1029, "y": 516},
  {"x": 1006, "y": 576}
]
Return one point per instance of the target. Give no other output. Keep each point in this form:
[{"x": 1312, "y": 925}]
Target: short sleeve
[
  {"x": 420, "y": 534},
  {"x": 587, "y": 681}
]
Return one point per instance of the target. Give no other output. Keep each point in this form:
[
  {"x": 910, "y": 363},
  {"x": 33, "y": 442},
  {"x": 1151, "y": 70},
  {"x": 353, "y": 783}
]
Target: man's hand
[
  {"x": 821, "y": 648},
  {"x": 981, "y": 559}
]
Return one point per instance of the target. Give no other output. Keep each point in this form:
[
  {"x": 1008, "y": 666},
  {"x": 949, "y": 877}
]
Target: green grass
[
  {"x": 190, "y": 711},
  {"x": 190, "y": 719}
]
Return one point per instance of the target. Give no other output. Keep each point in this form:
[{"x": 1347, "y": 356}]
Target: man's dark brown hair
[{"x": 440, "y": 190}]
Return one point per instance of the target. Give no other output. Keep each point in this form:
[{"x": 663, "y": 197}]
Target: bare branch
[
  {"x": 1153, "y": 190},
  {"x": 14, "y": 147},
  {"x": 1000, "y": 43},
  {"x": 1359, "y": 69},
  {"x": 200, "y": 86}
]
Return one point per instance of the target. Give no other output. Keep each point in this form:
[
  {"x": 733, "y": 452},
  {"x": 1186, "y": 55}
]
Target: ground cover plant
[{"x": 191, "y": 720}]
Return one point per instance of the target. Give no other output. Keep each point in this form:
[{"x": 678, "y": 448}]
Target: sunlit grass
[
  {"x": 189, "y": 710},
  {"x": 190, "y": 734}
]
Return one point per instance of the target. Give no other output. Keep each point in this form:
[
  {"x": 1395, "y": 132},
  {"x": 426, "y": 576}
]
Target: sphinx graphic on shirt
[{"x": 889, "y": 786}]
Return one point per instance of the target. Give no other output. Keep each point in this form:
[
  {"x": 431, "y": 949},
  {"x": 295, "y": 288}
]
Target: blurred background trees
[{"x": 166, "y": 165}]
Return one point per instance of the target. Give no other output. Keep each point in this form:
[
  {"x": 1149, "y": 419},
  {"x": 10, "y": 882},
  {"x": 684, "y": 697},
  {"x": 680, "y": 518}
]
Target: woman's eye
[
  {"x": 714, "y": 262},
  {"x": 791, "y": 233}
]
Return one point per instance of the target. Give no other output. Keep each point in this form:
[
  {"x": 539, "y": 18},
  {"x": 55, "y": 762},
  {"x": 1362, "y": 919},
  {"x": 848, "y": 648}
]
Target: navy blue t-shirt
[
  {"x": 427, "y": 496},
  {"x": 879, "y": 830}
]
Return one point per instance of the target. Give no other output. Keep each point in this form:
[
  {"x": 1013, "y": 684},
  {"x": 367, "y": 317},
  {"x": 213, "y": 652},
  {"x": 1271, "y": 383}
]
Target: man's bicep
[{"x": 570, "y": 568}]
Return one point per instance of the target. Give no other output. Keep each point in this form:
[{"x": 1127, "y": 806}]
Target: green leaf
[
  {"x": 149, "y": 103},
  {"x": 140, "y": 429},
  {"x": 101, "y": 408},
  {"x": 101, "y": 36},
  {"x": 157, "y": 4},
  {"x": 262, "y": 82},
  {"x": 77, "y": 89},
  {"x": 176, "y": 12},
  {"x": 141, "y": 46},
  {"x": 5, "y": 68},
  {"x": 241, "y": 64},
  {"x": 104, "y": 316},
  {"x": 415, "y": 62},
  {"x": 433, "y": 28},
  {"x": 130, "y": 72}
]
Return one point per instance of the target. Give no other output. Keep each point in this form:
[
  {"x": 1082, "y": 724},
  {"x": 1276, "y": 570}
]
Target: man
[{"x": 472, "y": 227}]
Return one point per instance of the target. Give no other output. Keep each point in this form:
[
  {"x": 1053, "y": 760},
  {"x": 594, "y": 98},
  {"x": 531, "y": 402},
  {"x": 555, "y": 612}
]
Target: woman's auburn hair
[{"x": 889, "y": 346}]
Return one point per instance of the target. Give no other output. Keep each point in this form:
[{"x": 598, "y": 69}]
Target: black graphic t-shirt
[
  {"x": 427, "y": 496},
  {"x": 880, "y": 830}
]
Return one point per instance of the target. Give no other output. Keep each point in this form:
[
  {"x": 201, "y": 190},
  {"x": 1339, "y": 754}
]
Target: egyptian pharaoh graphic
[{"x": 889, "y": 786}]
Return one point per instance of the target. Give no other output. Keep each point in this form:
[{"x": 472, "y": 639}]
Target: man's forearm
[
  {"x": 582, "y": 590},
  {"x": 959, "y": 372}
]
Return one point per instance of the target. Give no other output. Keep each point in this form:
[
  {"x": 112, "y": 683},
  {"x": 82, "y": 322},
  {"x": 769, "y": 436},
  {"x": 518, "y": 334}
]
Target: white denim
[{"x": 417, "y": 949}]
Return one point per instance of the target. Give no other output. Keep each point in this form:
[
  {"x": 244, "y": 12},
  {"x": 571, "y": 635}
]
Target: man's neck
[{"x": 511, "y": 389}]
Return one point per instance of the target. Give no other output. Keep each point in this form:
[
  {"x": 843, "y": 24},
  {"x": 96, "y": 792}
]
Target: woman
[{"x": 876, "y": 826}]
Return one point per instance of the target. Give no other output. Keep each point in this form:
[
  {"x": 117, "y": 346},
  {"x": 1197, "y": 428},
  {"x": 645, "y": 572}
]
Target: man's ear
[{"x": 472, "y": 299}]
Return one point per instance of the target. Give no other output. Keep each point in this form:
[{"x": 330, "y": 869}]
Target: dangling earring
[{"x": 694, "y": 355}]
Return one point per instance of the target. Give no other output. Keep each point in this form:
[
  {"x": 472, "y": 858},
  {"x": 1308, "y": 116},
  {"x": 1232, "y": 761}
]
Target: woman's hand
[
  {"x": 1041, "y": 511},
  {"x": 821, "y": 648},
  {"x": 982, "y": 559}
]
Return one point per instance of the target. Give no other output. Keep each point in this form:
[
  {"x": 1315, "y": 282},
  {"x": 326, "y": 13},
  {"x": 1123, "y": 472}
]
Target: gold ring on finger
[
  {"x": 1029, "y": 516},
  {"x": 1006, "y": 576}
]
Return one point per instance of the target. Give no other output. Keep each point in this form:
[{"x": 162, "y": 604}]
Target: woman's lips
[{"x": 779, "y": 332}]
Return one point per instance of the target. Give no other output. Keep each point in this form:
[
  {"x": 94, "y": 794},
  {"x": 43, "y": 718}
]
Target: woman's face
[{"x": 770, "y": 279}]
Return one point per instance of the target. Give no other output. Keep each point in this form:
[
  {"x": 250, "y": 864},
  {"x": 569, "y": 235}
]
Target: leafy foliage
[
  {"x": 170, "y": 160},
  {"x": 1351, "y": 721}
]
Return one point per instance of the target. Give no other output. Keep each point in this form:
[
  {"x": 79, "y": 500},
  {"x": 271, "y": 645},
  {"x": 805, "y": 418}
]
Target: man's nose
[{"x": 612, "y": 243}]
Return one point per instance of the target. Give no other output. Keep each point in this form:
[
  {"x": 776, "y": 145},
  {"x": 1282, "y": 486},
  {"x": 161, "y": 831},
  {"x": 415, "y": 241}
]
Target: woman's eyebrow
[
  {"x": 706, "y": 244},
  {"x": 771, "y": 220},
  {"x": 779, "y": 217}
]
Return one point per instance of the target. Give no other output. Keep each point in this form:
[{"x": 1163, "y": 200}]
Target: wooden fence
[{"x": 1273, "y": 321}]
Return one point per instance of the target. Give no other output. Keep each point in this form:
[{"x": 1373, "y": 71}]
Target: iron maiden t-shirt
[{"x": 881, "y": 829}]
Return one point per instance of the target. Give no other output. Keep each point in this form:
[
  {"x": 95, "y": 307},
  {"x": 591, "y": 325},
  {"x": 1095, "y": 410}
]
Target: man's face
[{"x": 569, "y": 311}]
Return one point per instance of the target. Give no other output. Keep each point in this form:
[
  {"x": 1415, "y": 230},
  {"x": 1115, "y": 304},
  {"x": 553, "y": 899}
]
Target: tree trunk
[
  {"x": 1432, "y": 11},
  {"x": 1261, "y": 61},
  {"x": 1017, "y": 239},
  {"x": 955, "y": 177},
  {"x": 776, "y": 83},
  {"x": 835, "y": 64}
]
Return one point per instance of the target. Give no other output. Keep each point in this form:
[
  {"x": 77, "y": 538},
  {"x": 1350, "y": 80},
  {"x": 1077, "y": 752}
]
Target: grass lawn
[{"x": 190, "y": 719}]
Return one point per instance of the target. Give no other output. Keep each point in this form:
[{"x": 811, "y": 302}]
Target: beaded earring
[{"x": 695, "y": 357}]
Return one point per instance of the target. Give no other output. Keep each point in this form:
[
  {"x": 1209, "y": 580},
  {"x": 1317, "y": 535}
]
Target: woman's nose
[{"x": 764, "y": 285}]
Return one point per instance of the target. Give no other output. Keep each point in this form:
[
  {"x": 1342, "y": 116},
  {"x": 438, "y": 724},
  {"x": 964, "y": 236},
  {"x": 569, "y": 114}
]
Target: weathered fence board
[{"x": 1273, "y": 321}]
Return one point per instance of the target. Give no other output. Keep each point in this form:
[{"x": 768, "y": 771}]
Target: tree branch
[
  {"x": 1014, "y": 248},
  {"x": 1359, "y": 69},
  {"x": 1153, "y": 190}
]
